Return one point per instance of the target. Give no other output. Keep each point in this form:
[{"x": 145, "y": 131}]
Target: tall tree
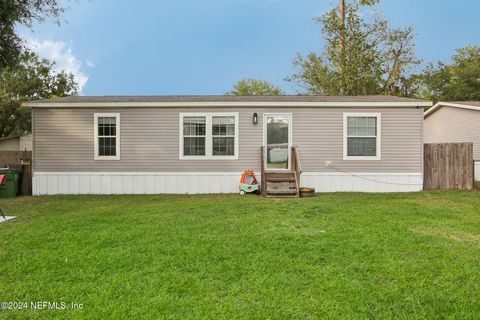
[
  {"x": 32, "y": 78},
  {"x": 458, "y": 80},
  {"x": 252, "y": 87},
  {"x": 342, "y": 66},
  {"x": 342, "y": 36},
  {"x": 24, "y": 12},
  {"x": 372, "y": 59}
]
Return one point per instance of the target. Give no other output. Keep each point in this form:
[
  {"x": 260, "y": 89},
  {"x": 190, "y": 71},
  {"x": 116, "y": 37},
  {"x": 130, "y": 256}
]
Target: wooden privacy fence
[
  {"x": 448, "y": 166},
  {"x": 20, "y": 160}
]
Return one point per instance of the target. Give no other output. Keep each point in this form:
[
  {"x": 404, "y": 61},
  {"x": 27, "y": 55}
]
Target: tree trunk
[{"x": 341, "y": 11}]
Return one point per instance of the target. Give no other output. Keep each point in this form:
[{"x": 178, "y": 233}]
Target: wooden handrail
[
  {"x": 263, "y": 183},
  {"x": 296, "y": 167},
  {"x": 298, "y": 164}
]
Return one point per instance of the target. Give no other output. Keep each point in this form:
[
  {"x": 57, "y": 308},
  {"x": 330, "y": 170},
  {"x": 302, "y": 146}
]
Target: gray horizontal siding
[
  {"x": 150, "y": 140},
  {"x": 450, "y": 124}
]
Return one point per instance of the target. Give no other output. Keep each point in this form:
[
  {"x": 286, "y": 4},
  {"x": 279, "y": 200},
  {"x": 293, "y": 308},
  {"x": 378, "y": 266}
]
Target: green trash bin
[{"x": 9, "y": 186}]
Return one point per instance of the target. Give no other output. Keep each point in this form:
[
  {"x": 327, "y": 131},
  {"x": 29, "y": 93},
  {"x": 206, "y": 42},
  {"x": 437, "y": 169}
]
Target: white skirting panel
[
  {"x": 51, "y": 183},
  {"x": 362, "y": 182},
  {"x": 477, "y": 170}
]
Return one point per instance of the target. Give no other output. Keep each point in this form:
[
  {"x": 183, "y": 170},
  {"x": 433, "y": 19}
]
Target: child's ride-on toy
[{"x": 250, "y": 187}]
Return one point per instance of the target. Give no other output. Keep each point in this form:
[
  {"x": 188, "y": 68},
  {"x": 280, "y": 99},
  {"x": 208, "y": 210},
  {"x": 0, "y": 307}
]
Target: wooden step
[
  {"x": 280, "y": 175},
  {"x": 282, "y": 191},
  {"x": 281, "y": 185},
  {"x": 279, "y": 171},
  {"x": 290, "y": 196},
  {"x": 280, "y": 179}
]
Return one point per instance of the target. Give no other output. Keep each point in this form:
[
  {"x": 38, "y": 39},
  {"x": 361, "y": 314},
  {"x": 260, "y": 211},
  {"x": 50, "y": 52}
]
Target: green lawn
[{"x": 334, "y": 256}]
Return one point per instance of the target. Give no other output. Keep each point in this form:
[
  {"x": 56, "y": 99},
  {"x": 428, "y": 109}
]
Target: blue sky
[{"x": 182, "y": 47}]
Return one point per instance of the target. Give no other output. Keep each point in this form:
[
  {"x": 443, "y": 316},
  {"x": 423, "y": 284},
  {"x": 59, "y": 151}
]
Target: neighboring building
[
  {"x": 201, "y": 144},
  {"x": 455, "y": 122},
  {"x": 16, "y": 143}
]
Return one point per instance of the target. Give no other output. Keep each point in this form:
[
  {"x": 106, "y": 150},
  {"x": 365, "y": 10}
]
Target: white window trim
[
  {"x": 208, "y": 136},
  {"x": 95, "y": 134},
  {"x": 379, "y": 135}
]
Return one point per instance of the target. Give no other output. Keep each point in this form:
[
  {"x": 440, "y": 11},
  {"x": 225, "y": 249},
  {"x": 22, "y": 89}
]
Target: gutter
[{"x": 46, "y": 104}]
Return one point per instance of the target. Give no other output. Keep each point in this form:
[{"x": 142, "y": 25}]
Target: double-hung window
[
  {"x": 209, "y": 136},
  {"x": 194, "y": 135},
  {"x": 223, "y": 135},
  {"x": 361, "y": 136},
  {"x": 107, "y": 136}
]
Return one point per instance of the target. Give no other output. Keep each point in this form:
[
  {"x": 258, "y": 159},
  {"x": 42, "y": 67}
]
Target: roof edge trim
[
  {"x": 48, "y": 104},
  {"x": 440, "y": 104}
]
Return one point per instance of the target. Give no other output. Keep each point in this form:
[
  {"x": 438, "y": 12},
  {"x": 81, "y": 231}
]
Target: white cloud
[
  {"x": 61, "y": 53},
  {"x": 90, "y": 63}
]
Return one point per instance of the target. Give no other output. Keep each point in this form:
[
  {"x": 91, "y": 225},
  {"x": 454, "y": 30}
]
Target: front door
[{"x": 277, "y": 140}]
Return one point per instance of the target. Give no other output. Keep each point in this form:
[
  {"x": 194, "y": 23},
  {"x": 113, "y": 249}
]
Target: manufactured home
[
  {"x": 16, "y": 143},
  {"x": 449, "y": 122},
  {"x": 202, "y": 144}
]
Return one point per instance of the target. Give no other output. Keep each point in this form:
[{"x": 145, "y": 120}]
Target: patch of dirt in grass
[{"x": 449, "y": 234}]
